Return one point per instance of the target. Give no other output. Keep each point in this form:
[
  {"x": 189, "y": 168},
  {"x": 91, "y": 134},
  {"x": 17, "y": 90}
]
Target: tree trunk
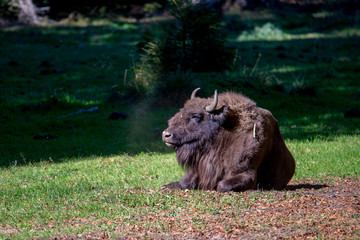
[{"x": 27, "y": 12}]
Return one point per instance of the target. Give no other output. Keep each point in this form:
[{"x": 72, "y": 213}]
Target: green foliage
[
  {"x": 152, "y": 7},
  {"x": 9, "y": 9},
  {"x": 266, "y": 32},
  {"x": 193, "y": 42}
]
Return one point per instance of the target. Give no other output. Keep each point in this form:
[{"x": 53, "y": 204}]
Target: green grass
[
  {"x": 49, "y": 192},
  {"x": 100, "y": 174},
  {"x": 319, "y": 158}
]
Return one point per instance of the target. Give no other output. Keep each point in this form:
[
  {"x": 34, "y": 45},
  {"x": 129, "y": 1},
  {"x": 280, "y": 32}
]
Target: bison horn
[
  {"x": 193, "y": 94},
  {"x": 212, "y": 107}
]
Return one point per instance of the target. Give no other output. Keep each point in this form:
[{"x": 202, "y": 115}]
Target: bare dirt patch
[{"x": 306, "y": 209}]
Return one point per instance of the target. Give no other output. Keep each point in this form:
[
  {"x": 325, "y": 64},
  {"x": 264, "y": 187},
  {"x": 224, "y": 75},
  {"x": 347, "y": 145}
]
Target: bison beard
[{"x": 228, "y": 144}]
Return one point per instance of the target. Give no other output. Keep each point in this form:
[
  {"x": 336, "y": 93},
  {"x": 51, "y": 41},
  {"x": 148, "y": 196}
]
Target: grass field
[{"x": 100, "y": 177}]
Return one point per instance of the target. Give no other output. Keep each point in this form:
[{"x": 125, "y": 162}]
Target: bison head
[{"x": 195, "y": 124}]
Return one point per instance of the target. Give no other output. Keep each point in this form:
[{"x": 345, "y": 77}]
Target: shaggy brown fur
[{"x": 236, "y": 147}]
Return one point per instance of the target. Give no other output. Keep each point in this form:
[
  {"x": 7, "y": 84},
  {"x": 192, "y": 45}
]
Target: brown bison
[{"x": 228, "y": 144}]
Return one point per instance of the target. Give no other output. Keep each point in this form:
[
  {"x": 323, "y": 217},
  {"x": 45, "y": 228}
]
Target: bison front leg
[
  {"x": 189, "y": 181},
  {"x": 241, "y": 182},
  {"x": 172, "y": 185}
]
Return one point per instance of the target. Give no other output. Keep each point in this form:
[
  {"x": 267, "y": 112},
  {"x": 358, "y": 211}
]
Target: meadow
[{"x": 70, "y": 173}]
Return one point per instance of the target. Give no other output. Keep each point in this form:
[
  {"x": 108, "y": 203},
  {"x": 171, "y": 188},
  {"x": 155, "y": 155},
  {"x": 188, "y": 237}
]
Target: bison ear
[{"x": 220, "y": 115}]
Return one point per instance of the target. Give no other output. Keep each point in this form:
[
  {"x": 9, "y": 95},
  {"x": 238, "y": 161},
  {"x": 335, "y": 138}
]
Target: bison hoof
[
  {"x": 223, "y": 187},
  {"x": 172, "y": 185}
]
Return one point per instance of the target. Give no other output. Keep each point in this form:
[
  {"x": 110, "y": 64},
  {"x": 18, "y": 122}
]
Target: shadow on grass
[{"x": 79, "y": 67}]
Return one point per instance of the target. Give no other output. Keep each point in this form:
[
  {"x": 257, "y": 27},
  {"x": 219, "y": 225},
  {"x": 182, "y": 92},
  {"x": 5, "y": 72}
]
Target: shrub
[
  {"x": 9, "y": 9},
  {"x": 193, "y": 42}
]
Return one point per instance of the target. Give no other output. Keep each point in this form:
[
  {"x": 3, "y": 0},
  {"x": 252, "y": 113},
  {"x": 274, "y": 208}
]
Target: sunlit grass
[
  {"x": 79, "y": 188},
  {"x": 339, "y": 157},
  {"x": 286, "y": 69},
  {"x": 266, "y": 32},
  {"x": 258, "y": 34},
  {"x": 324, "y": 25},
  {"x": 47, "y": 194}
]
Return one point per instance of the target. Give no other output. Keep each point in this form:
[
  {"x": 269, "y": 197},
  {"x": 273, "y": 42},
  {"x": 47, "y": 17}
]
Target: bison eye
[{"x": 197, "y": 117}]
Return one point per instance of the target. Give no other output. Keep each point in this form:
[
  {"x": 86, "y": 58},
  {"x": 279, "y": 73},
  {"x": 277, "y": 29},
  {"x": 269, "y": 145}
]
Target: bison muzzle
[{"x": 227, "y": 143}]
